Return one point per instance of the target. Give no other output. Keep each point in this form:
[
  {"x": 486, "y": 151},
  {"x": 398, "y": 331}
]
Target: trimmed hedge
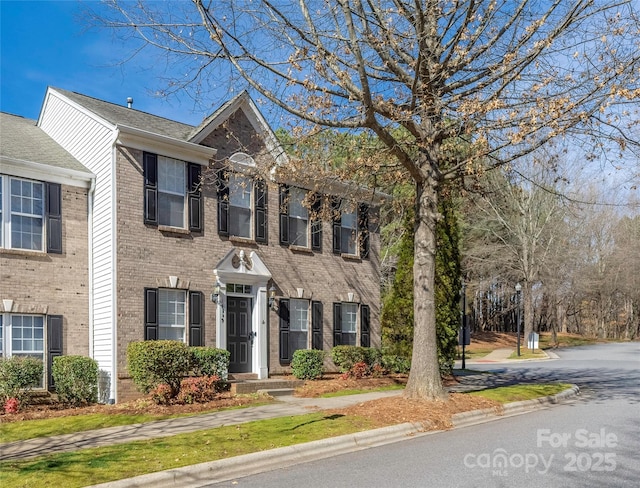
[
  {"x": 307, "y": 364},
  {"x": 76, "y": 379},
  {"x": 396, "y": 364},
  {"x": 154, "y": 362},
  {"x": 18, "y": 374},
  {"x": 210, "y": 361},
  {"x": 344, "y": 357}
]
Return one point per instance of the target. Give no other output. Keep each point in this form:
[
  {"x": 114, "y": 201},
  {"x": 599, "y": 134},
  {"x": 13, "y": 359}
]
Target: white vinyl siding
[{"x": 90, "y": 140}]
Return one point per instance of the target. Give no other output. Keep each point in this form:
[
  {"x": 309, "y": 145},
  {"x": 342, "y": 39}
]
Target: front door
[{"x": 239, "y": 334}]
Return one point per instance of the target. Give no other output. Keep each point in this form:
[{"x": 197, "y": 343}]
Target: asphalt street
[{"x": 592, "y": 440}]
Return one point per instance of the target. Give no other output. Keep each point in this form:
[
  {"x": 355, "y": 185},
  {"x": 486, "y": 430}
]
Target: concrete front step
[{"x": 269, "y": 385}]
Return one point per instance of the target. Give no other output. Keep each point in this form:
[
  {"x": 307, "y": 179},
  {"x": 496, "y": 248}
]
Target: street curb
[{"x": 260, "y": 462}]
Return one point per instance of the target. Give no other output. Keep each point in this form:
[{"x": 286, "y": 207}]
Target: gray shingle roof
[
  {"x": 119, "y": 114},
  {"x": 21, "y": 139}
]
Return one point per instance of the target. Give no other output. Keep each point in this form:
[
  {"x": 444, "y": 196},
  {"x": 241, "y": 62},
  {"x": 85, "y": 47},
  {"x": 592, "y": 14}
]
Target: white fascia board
[
  {"x": 164, "y": 145},
  {"x": 51, "y": 92},
  {"x": 45, "y": 172}
]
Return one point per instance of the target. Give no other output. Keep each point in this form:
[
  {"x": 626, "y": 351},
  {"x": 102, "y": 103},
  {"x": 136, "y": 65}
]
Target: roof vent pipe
[{"x": 129, "y": 102}]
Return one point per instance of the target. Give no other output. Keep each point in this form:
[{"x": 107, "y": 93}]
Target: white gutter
[
  {"x": 46, "y": 172},
  {"x": 165, "y": 145}
]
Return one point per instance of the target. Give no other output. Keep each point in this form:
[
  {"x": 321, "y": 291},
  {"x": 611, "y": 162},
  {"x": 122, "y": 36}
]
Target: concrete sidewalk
[{"x": 286, "y": 406}]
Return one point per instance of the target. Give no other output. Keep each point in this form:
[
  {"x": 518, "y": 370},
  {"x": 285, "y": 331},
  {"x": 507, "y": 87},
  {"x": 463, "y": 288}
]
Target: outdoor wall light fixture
[
  {"x": 215, "y": 296},
  {"x": 272, "y": 297}
]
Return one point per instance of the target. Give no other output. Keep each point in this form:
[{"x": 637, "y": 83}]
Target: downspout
[
  {"x": 114, "y": 269},
  {"x": 90, "y": 200}
]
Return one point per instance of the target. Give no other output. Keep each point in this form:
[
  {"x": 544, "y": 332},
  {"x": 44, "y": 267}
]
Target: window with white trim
[
  {"x": 299, "y": 328},
  {"x": 298, "y": 218},
  {"x": 240, "y": 205},
  {"x": 349, "y": 231},
  {"x": 22, "y": 210},
  {"x": 172, "y": 192},
  {"x": 172, "y": 318}
]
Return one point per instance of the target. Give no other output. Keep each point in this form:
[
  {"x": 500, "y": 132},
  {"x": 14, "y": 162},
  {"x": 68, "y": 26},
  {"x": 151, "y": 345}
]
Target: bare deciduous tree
[{"x": 506, "y": 76}]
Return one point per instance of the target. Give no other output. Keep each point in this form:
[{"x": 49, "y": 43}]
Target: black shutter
[
  {"x": 150, "y": 314},
  {"x": 283, "y": 196},
  {"x": 316, "y": 325},
  {"x": 54, "y": 344},
  {"x": 260, "y": 190},
  {"x": 150, "y": 168},
  {"x": 283, "y": 312},
  {"x": 337, "y": 224},
  {"x": 222, "y": 184},
  {"x": 337, "y": 324},
  {"x": 194, "y": 198},
  {"x": 365, "y": 326},
  {"x": 196, "y": 318},
  {"x": 53, "y": 216},
  {"x": 363, "y": 230},
  {"x": 316, "y": 223}
]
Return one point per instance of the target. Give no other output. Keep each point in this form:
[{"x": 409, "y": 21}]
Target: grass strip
[
  {"x": 99, "y": 465},
  {"x": 517, "y": 393},
  {"x": 32, "y": 429},
  {"x": 528, "y": 354}
]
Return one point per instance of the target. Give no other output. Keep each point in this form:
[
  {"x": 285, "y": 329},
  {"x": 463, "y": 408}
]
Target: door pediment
[{"x": 239, "y": 267}]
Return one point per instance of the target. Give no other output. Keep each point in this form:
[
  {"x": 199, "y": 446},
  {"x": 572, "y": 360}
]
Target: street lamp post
[
  {"x": 463, "y": 321},
  {"x": 518, "y": 290}
]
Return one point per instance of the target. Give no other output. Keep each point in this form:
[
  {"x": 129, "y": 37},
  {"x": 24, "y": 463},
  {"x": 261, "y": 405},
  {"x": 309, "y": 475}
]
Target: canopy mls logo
[{"x": 588, "y": 455}]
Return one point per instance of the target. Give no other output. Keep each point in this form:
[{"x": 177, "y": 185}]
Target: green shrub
[
  {"x": 76, "y": 379},
  {"x": 154, "y": 362},
  {"x": 307, "y": 364},
  {"x": 210, "y": 361},
  {"x": 396, "y": 364},
  {"x": 344, "y": 357},
  {"x": 18, "y": 374}
]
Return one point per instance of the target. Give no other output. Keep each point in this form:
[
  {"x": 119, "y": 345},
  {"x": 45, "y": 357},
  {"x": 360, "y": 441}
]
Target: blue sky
[{"x": 47, "y": 43}]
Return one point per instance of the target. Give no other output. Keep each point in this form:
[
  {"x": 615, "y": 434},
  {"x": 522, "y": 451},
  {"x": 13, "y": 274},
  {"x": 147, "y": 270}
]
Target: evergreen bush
[
  {"x": 76, "y": 379},
  {"x": 210, "y": 361},
  {"x": 18, "y": 375},
  {"x": 154, "y": 362},
  {"x": 307, "y": 364},
  {"x": 344, "y": 357}
]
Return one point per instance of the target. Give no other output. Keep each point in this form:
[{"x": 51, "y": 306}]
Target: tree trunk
[
  {"x": 528, "y": 313},
  {"x": 424, "y": 379}
]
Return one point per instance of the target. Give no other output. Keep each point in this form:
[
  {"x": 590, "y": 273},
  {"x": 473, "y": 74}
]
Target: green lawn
[
  {"x": 516, "y": 393},
  {"x": 99, "y": 465},
  {"x": 528, "y": 354},
  {"x": 30, "y": 429}
]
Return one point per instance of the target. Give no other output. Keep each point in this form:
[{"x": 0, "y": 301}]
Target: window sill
[
  {"x": 173, "y": 230},
  {"x": 23, "y": 252},
  {"x": 301, "y": 249},
  {"x": 350, "y": 257},
  {"x": 242, "y": 240}
]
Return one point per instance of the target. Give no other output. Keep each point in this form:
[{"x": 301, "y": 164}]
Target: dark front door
[{"x": 239, "y": 334}]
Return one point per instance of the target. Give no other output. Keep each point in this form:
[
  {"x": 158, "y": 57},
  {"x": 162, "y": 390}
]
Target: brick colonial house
[{"x": 181, "y": 241}]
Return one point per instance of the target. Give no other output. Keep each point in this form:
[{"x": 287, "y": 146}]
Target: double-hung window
[
  {"x": 299, "y": 328},
  {"x": 172, "y": 308},
  {"x": 30, "y": 216},
  {"x": 345, "y": 324},
  {"x": 242, "y": 206},
  {"x": 350, "y": 228},
  {"x": 300, "y": 218},
  {"x": 22, "y": 335},
  {"x": 172, "y": 193},
  {"x": 240, "y": 191},
  {"x": 174, "y": 314},
  {"x": 296, "y": 317}
]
